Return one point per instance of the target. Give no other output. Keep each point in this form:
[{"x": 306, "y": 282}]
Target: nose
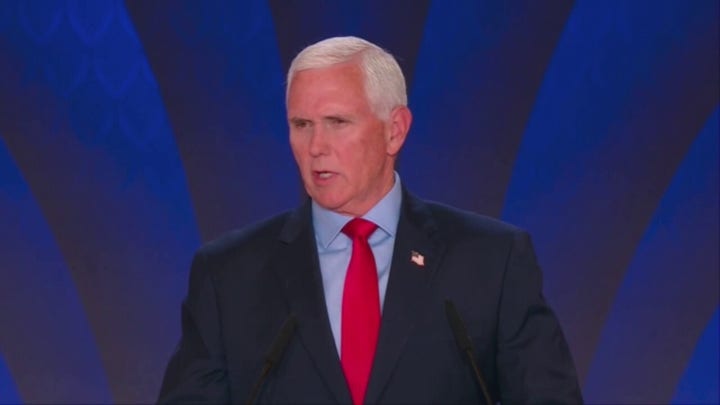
[{"x": 318, "y": 143}]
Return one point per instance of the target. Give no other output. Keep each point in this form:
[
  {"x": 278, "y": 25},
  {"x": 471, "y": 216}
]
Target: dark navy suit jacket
[{"x": 244, "y": 285}]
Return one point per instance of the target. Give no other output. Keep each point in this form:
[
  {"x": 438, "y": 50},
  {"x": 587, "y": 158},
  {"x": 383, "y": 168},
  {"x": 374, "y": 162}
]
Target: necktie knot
[{"x": 359, "y": 228}]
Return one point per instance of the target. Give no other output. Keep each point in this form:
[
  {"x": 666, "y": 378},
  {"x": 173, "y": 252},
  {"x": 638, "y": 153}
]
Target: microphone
[
  {"x": 465, "y": 344},
  {"x": 273, "y": 355}
]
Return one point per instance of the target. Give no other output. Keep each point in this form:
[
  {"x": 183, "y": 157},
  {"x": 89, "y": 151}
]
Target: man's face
[{"x": 344, "y": 152}]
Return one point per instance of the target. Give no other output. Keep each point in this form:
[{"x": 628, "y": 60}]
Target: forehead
[
  {"x": 338, "y": 84},
  {"x": 346, "y": 70}
]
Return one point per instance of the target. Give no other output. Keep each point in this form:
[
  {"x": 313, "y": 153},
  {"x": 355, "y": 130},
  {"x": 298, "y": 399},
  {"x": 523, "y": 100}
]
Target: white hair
[{"x": 384, "y": 82}]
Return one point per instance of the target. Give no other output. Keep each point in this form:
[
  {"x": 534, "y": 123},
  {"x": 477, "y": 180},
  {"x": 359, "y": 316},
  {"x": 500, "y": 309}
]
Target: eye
[
  {"x": 300, "y": 123},
  {"x": 337, "y": 121}
]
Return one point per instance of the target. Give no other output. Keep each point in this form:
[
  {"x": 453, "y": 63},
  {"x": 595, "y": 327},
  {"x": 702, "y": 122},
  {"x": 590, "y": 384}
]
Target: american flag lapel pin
[{"x": 417, "y": 258}]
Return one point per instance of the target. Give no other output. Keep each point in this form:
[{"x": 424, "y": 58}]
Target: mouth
[{"x": 322, "y": 175}]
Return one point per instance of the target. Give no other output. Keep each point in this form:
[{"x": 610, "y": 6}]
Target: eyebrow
[
  {"x": 298, "y": 120},
  {"x": 336, "y": 117}
]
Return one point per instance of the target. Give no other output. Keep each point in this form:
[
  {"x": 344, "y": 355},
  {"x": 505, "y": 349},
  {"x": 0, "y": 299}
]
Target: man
[{"x": 379, "y": 284}]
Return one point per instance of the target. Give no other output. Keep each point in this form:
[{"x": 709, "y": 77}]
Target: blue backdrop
[{"x": 132, "y": 132}]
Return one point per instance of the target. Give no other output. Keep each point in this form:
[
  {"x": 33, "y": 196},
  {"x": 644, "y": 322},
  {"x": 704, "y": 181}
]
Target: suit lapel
[
  {"x": 296, "y": 264},
  {"x": 407, "y": 291}
]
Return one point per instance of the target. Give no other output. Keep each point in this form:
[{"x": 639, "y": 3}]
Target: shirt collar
[{"x": 385, "y": 214}]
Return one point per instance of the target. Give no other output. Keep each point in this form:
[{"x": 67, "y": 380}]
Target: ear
[{"x": 399, "y": 125}]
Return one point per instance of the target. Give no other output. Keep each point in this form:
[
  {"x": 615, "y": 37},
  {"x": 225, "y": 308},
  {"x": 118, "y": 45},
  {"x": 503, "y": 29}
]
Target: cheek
[
  {"x": 297, "y": 150},
  {"x": 373, "y": 154}
]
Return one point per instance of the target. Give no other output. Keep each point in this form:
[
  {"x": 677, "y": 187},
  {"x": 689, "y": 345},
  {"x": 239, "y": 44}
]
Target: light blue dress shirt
[{"x": 335, "y": 249}]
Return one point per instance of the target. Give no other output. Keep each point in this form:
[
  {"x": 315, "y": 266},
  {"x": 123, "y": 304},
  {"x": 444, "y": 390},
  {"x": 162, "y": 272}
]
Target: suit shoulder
[
  {"x": 247, "y": 238},
  {"x": 465, "y": 223}
]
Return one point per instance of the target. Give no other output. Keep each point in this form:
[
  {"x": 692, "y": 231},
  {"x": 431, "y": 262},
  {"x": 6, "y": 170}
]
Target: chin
[{"x": 330, "y": 203}]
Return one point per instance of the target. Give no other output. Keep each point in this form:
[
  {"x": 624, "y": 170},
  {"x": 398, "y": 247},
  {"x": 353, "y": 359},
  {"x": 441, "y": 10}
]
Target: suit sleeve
[
  {"x": 197, "y": 371},
  {"x": 534, "y": 364}
]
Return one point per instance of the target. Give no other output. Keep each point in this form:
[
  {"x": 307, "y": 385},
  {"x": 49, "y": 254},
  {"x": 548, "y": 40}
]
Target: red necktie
[{"x": 360, "y": 310}]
